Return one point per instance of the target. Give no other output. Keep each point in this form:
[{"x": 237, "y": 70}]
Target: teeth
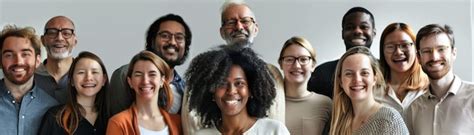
[
  {"x": 19, "y": 69},
  {"x": 358, "y": 40},
  {"x": 232, "y": 102},
  {"x": 357, "y": 87},
  {"x": 89, "y": 85}
]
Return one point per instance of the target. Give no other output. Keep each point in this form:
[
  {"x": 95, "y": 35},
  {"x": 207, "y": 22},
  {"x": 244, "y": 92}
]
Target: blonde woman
[
  {"x": 308, "y": 113},
  {"x": 405, "y": 79},
  {"x": 355, "y": 109}
]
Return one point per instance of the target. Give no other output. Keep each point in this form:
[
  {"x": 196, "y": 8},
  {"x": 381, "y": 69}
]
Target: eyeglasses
[
  {"x": 245, "y": 21},
  {"x": 166, "y": 36},
  {"x": 390, "y": 48},
  {"x": 289, "y": 60},
  {"x": 53, "y": 32},
  {"x": 440, "y": 49}
]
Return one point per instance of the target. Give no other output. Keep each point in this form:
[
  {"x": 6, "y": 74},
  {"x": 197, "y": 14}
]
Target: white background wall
[{"x": 115, "y": 29}]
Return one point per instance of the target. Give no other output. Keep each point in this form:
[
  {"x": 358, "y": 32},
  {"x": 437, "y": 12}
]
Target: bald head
[
  {"x": 239, "y": 25},
  {"x": 61, "y": 19}
]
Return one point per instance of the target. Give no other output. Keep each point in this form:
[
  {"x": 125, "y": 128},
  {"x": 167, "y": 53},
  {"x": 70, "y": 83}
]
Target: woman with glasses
[
  {"x": 84, "y": 112},
  {"x": 307, "y": 113},
  {"x": 401, "y": 69},
  {"x": 148, "y": 78},
  {"x": 355, "y": 110},
  {"x": 232, "y": 91}
]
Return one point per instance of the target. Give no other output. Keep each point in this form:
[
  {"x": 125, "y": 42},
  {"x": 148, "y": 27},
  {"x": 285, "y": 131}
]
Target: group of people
[{"x": 229, "y": 89}]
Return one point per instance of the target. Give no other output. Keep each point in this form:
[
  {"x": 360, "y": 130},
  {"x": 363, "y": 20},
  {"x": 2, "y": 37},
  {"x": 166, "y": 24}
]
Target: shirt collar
[{"x": 453, "y": 89}]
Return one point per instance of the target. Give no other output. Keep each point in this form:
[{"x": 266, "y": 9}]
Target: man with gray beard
[{"x": 59, "y": 39}]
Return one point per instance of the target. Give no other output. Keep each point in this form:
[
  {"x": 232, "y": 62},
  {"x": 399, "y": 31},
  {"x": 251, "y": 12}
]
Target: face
[
  {"x": 88, "y": 77},
  {"x": 357, "y": 77},
  {"x": 19, "y": 60},
  {"x": 243, "y": 30},
  {"x": 170, "y": 42},
  {"x": 57, "y": 43},
  {"x": 436, "y": 63},
  {"x": 232, "y": 97},
  {"x": 146, "y": 80},
  {"x": 404, "y": 53},
  {"x": 295, "y": 70},
  {"x": 357, "y": 30}
]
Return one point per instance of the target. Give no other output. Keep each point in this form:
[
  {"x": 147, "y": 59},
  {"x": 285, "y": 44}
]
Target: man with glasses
[
  {"x": 447, "y": 108},
  {"x": 358, "y": 29},
  {"x": 169, "y": 37},
  {"x": 59, "y": 39}
]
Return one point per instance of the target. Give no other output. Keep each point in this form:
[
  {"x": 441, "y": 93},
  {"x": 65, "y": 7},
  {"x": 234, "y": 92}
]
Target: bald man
[{"x": 59, "y": 38}]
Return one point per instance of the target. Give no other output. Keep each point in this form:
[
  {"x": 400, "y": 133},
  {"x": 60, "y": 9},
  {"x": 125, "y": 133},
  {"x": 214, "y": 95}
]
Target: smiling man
[
  {"x": 358, "y": 29},
  {"x": 22, "y": 102},
  {"x": 447, "y": 107},
  {"x": 59, "y": 39}
]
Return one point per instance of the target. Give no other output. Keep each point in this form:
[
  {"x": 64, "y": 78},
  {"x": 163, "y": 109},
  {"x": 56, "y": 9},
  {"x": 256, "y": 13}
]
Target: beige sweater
[{"x": 309, "y": 115}]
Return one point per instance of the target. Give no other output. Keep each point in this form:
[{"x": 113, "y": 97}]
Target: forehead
[
  {"x": 144, "y": 65},
  {"x": 88, "y": 63},
  {"x": 295, "y": 49},
  {"x": 235, "y": 11},
  {"x": 357, "y": 18},
  {"x": 433, "y": 40},
  {"x": 59, "y": 22},
  {"x": 397, "y": 35},
  {"x": 171, "y": 26},
  {"x": 236, "y": 72},
  {"x": 356, "y": 62},
  {"x": 16, "y": 43}
]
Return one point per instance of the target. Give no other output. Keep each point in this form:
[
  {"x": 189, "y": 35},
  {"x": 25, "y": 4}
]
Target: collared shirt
[
  {"x": 390, "y": 99},
  {"x": 44, "y": 80},
  {"x": 122, "y": 98},
  {"x": 451, "y": 114},
  {"x": 23, "y": 118}
]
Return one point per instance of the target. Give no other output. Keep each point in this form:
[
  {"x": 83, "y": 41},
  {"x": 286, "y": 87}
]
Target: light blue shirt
[{"x": 23, "y": 118}]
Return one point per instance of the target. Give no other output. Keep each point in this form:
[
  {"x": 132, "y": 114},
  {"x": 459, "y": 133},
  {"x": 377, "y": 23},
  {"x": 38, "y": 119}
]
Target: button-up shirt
[
  {"x": 389, "y": 98},
  {"x": 451, "y": 114},
  {"x": 58, "y": 90},
  {"x": 24, "y": 117}
]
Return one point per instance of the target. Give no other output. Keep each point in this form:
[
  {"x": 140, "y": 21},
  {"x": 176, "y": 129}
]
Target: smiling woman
[
  {"x": 231, "y": 90},
  {"x": 84, "y": 112}
]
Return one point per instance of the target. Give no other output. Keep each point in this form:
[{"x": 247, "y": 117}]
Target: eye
[
  {"x": 137, "y": 74},
  {"x": 240, "y": 84},
  {"x": 7, "y": 55},
  {"x": 365, "y": 73},
  {"x": 348, "y": 74}
]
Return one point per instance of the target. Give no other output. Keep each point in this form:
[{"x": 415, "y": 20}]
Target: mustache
[
  {"x": 238, "y": 32},
  {"x": 18, "y": 66},
  {"x": 168, "y": 46}
]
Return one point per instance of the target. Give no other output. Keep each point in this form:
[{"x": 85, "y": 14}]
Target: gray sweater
[{"x": 387, "y": 121}]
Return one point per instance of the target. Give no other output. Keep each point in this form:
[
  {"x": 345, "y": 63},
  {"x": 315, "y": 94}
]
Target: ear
[
  {"x": 256, "y": 29},
  {"x": 374, "y": 30},
  {"x": 37, "y": 61},
  {"x": 222, "y": 32},
  {"x": 129, "y": 81},
  {"x": 454, "y": 52}
]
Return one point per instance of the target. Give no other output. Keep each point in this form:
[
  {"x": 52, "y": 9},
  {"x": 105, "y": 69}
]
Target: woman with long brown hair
[{"x": 84, "y": 113}]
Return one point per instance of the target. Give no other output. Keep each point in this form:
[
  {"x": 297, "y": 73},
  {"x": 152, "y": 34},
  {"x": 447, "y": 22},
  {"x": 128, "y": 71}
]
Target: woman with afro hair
[{"x": 231, "y": 91}]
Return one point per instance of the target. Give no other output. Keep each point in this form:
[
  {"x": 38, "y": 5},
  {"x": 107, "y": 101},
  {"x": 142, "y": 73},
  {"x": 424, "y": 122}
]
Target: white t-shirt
[
  {"x": 144, "y": 131},
  {"x": 263, "y": 126}
]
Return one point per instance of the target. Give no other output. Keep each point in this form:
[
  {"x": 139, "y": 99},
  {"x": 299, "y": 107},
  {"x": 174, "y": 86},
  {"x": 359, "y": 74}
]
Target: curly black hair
[{"x": 208, "y": 71}]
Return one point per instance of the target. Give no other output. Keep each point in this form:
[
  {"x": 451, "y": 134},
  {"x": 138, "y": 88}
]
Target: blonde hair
[
  {"x": 342, "y": 112},
  {"x": 301, "y": 42}
]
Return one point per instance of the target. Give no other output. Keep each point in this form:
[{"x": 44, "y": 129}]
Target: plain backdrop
[{"x": 115, "y": 29}]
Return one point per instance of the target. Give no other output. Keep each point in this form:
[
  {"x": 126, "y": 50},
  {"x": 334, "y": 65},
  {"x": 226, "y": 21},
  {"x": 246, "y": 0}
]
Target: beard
[
  {"x": 172, "y": 63},
  {"x": 18, "y": 79},
  {"x": 435, "y": 75},
  {"x": 59, "y": 55},
  {"x": 244, "y": 42}
]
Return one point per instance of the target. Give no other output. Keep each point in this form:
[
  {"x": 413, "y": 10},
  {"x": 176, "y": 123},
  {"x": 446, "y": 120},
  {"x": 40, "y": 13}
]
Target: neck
[
  {"x": 18, "y": 91},
  {"x": 237, "y": 124},
  {"x": 148, "y": 107},
  {"x": 396, "y": 78},
  {"x": 296, "y": 90},
  {"x": 86, "y": 102},
  {"x": 363, "y": 107},
  {"x": 441, "y": 86},
  {"x": 58, "y": 67}
]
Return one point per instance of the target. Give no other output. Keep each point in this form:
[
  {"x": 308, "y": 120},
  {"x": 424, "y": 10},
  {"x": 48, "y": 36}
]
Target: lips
[
  {"x": 358, "y": 88},
  {"x": 358, "y": 41},
  {"x": 89, "y": 85},
  {"x": 437, "y": 65},
  {"x": 232, "y": 102},
  {"x": 402, "y": 59}
]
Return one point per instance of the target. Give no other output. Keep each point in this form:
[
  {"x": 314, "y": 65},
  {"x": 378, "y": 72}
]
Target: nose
[
  {"x": 59, "y": 36},
  {"x": 172, "y": 40},
  {"x": 357, "y": 78},
  {"x": 239, "y": 25},
  {"x": 231, "y": 89},
  {"x": 297, "y": 63},
  {"x": 89, "y": 76},
  {"x": 18, "y": 59},
  {"x": 435, "y": 55},
  {"x": 398, "y": 50}
]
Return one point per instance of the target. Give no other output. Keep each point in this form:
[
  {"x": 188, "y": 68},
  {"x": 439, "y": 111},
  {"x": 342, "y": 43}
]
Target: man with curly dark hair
[
  {"x": 169, "y": 37},
  {"x": 237, "y": 93}
]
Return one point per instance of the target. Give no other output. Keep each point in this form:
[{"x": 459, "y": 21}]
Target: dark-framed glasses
[
  {"x": 290, "y": 60},
  {"x": 390, "y": 48},
  {"x": 166, "y": 36},
  {"x": 245, "y": 21},
  {"x": 54, "y": 32},
  {"x": 429, "y": 50}
]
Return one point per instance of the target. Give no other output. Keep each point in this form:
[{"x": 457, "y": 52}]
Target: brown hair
[{"x": 25, "y": 32}]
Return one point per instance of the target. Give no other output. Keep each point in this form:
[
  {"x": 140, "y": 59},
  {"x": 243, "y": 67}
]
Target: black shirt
[
  {"x": 322, "y": 79},
  {"x": 49, "y": 126}
]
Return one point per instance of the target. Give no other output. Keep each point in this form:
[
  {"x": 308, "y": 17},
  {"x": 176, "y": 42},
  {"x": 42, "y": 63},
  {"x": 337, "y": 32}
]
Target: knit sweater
[{"x": 386, "y": 121}]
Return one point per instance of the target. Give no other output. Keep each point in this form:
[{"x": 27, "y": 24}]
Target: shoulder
[
  {"x": 123, "y": 117},
  {"x": 267, "y": 124},
  {"x": 44, "y": 97},
  {"x": 331, "y": 65},
  {"x": 121, "y": 70}
]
